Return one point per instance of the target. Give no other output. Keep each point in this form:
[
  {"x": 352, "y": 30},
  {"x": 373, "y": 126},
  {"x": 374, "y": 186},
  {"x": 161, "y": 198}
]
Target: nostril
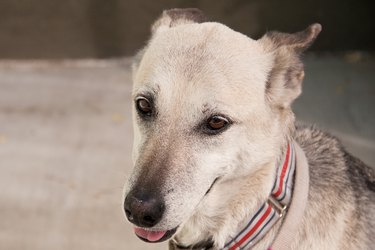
[
  {"x": 149, "y": 220},
  {"x": 129, "y": 214}
]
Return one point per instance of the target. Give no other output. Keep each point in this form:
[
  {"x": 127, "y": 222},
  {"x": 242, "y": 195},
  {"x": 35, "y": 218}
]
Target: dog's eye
[
  {"x": 143, "y": 106},
  {"x": 217, "y": 123}
]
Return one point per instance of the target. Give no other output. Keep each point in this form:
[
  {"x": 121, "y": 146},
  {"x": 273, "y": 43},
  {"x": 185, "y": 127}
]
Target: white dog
[{"x": 219, "y": 161}]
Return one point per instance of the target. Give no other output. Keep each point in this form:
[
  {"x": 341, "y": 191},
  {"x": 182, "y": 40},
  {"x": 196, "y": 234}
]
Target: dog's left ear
[
  {"x": 174, "y": 17},
  {"x": 285, "y": 78}
]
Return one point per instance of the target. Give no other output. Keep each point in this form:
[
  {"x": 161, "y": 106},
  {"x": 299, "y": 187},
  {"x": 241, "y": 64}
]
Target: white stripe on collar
[{"x": 272, "y": 210}]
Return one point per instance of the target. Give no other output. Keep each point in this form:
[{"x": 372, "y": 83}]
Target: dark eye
[
  {"x": 143, "y": 106},
  {"x": 217, "y": 123}
]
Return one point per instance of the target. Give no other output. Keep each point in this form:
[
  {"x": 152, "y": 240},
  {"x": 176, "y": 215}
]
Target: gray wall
[{"x": 112, "y": 28}]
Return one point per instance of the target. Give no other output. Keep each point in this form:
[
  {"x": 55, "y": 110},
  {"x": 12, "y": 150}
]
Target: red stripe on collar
[{"x": 282, "y": 175}]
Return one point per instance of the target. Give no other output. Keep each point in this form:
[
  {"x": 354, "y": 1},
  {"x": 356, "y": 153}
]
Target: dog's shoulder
[
  {"x": 330, "y": 161},
  {"x": 341, "y": 187}
]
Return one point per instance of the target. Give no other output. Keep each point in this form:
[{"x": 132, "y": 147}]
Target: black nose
[{"x": 143, "y": 210}]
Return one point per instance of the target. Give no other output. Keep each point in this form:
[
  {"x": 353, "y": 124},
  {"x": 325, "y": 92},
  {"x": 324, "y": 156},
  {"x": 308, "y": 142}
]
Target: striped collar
[{"x": 272, "y": 210}]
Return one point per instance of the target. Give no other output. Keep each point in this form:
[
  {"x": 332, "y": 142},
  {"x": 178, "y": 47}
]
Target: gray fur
[{"x": 339, "y": 181}]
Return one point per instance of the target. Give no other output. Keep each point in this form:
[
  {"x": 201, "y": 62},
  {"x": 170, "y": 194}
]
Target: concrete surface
[{"x": 65, "y": 142}]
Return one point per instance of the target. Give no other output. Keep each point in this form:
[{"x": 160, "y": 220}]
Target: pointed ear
[
  {"x": 170, "y": 18},
  {"x": 175, "y": 17},
  {"x": 285, "y": 79}
]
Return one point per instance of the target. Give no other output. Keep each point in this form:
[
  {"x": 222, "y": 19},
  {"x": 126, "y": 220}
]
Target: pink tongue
[{"x": 149, "y": 235}]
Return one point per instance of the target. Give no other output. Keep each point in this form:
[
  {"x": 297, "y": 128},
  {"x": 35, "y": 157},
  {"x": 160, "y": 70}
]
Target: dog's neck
[{"x": 221, "y": 215}]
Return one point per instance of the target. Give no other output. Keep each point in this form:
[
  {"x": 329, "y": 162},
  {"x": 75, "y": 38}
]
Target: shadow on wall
[{"x": 112, "y": 28}]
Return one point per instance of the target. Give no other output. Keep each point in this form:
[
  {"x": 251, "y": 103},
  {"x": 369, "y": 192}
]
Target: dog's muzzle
[{"x": 145, "y": 211}]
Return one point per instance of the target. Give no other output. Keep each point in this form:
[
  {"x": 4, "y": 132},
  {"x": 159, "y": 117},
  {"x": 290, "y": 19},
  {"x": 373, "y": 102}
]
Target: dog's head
[{"x": 210, "y": 104}]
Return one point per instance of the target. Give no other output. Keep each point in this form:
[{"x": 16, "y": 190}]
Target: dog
[{"x": 219, "y": 161}]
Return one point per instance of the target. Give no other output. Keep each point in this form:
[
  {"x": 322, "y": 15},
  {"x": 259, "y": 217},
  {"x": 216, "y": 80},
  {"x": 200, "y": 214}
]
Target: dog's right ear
[
  {"x": 170, "y": 18},
  {"x": 174, "y": 17}
]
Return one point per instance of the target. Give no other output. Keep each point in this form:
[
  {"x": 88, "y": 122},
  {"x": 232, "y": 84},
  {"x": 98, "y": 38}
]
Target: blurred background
[
  {"x": 65, "y": 120},
  {"x": 113, "y": 28}
]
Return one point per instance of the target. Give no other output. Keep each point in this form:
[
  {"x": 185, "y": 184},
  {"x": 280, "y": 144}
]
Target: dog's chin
[{"x": 154, "y": 236}]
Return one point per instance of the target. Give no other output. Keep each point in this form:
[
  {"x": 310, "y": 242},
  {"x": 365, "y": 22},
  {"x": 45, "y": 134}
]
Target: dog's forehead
[{"x": 204, "y": 60}]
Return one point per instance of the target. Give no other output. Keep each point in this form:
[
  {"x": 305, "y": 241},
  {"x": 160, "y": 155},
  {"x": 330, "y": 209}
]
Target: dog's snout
[{"x": 143, "y": 210}]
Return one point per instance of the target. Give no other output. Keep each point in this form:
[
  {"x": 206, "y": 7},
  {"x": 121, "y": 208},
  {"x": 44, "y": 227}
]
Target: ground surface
[{"x": 65, "y": 143}]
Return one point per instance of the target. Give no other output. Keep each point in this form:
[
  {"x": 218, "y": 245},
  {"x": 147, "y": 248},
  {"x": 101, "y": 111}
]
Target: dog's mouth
[
  {"x": 154, "y": 236},
  {"x": 213, "y": 183}
]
